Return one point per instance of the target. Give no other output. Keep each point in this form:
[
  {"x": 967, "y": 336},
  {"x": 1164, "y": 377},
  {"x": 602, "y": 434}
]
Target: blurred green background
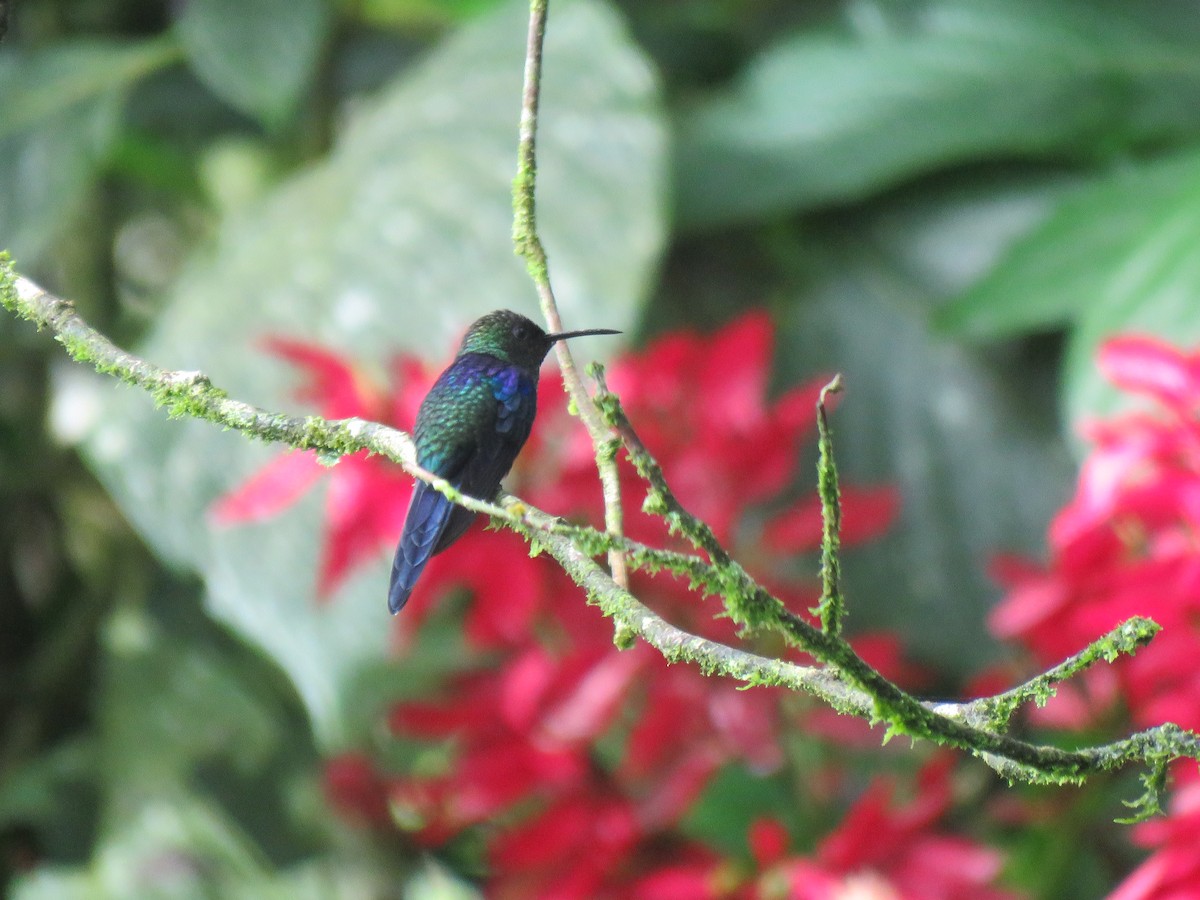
[{"x": 951, "y": 202}]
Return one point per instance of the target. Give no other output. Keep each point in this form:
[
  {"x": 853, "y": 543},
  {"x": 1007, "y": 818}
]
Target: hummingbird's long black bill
[{"x": 563, "y": 335}]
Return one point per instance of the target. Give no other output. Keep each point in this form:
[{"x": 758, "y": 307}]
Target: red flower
[
  {"x": 881, "y": 849},
  {"x": 368, "y": 496},
  {"x": 570, "y": 850},
  {"x": 700, "y": 406},
  {"x": 521, "y": 738},
  {"x": 1126, "y": 543},
  {"x": 897, "y": 843},
  {"x": 1173, "y": 871}
]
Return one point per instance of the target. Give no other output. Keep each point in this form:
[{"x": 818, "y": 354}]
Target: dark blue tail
[{"x": 428, "y": 514}]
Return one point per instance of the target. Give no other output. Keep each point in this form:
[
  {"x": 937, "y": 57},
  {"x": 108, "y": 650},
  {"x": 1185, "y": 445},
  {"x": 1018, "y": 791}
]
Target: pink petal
[
  {"x": 333, "y": 385},
  {"x": 733, "y": 382},
  {"x": 748, "y": 724},
  {"x": 1148, "y": 365},
  {"x": 676, "y": 790},
  {"x": 1150, "y": 881},
  {"x": 508, "y": 587},
  {"x": 356, "y": 790},
  {"x": 523, "y": 686},
  {"x": 270, "y": 490},
  {"x": 493, "y": 776},
  {"x": 411, "y": 381},
  {"x": 866, "y": 513},
  {"x": 656, "y": 377},
  {"x": 694, "y": 877},
  {"x": 364, "y": 512},
  {"x": 865, "y": 833},
  {"x": 595, "y": 697}
]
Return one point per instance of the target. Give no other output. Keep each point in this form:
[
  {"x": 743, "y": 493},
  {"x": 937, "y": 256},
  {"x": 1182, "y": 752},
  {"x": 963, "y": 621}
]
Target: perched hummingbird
[{"x": 470, "y": 428}]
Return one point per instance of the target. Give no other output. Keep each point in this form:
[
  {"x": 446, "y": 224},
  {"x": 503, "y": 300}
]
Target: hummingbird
[{"x": 470, "y": 428}]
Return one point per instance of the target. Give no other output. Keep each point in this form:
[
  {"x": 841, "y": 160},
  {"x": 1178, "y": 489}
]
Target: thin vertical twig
[
  {"x": 529, "y": 246},
  {"x": 830, "y": 608}
]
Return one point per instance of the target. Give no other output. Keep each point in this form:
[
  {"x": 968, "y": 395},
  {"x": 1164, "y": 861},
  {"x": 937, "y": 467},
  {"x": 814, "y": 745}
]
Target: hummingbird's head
[{"x": 515, "y": 339}]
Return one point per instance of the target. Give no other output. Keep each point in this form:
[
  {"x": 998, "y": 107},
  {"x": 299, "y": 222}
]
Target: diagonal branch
[
  {"x": 966, "y": 726},
  {"x": 846, "y": 683}
]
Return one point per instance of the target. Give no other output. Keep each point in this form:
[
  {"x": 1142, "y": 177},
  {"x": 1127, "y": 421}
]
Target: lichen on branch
[
  {"x": 844, "y": 680},
  {"x": 841, "y": 679}
]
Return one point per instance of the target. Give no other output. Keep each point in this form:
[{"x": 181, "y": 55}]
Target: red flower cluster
[
  {"x": 1173, "y": 871},
  {"x": 368, "y": 496},
  {"x": 882, "y": 850},
  {"x": 1126, "y": 545},
  {"x": 589, "y": 758}
]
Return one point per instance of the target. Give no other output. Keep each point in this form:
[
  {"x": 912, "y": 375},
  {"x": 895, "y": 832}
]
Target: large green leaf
[
  {"x": 178, "y": 847},
  {"x": 205, "y": 778},
  {"x": 1148, "y": 284},
  {"x": 1065, "y": 266},
  {"x": 395, "y": 242},
  {"x": 55, "y": 794},
  {"x": 204, "y": 707},
  {"x": 58, "y": 120},
  {"x": 949, "y": 234},
  {"x": 828, "y": 117},
  {"x": 1117, "y": 256},
  {"x": 259, "y": 56}
]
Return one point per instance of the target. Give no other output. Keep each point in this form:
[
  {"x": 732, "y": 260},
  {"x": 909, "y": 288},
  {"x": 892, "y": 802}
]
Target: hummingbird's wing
[
  {"x": 449, "y": 419},
  {"x": 513, "y": 404},
  {"x": 428, "y": 514},
  {"x": 469, "y": 430}
]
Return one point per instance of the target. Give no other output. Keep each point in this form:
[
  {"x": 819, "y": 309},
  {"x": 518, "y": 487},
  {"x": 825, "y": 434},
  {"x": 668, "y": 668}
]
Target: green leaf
[
  {"x": 258, "y": 56},
  {"x": 59, "y": 118},
  {"x": 733, "y": 800},
  {"x": 178, "y": 847},
  {"x": 42, "y": 86},
  {"x": 1063, "y": 267},
  {"x": 55, "y": 793},
  {"x": 949, "y": 235},
  {"x": 204, "y": 706},
  {"x": 1147, "y": 284},
  {"x": 421, "y": 13},
  {"x": 834, "y": 116},
  {"x": 203, "y": 764},
  {"x": 396, "y": 242}
]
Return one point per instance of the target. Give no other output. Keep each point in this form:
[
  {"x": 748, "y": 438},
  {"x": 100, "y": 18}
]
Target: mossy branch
[
  {"x": 752, "y": 607},
  {"x": 843, "y": 679},
  {"x": 829, "y": 607},
  {"x": 975, "y": 726}
]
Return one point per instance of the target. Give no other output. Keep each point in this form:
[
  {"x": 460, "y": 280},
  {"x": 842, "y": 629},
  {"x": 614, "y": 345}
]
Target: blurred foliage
[{"x": 951, "y": 201}]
